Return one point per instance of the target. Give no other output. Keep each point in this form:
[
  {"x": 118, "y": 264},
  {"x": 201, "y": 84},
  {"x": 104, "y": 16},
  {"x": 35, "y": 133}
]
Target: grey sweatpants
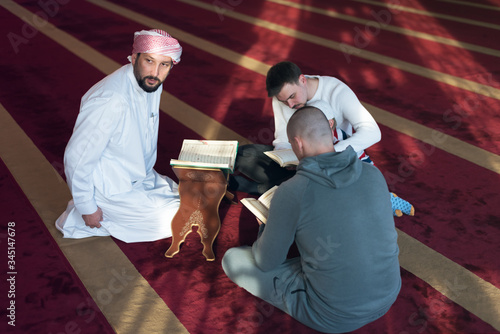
[{"x": 284, "y": 287}]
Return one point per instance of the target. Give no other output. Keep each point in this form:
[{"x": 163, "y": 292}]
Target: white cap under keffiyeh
[{"x": 157, "y": 41}]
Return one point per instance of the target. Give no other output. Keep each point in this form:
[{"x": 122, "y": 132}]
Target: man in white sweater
[{"x": 291, "y": 90}]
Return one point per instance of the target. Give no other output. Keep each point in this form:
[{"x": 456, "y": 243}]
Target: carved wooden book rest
[{"x": 201, "y": 191}]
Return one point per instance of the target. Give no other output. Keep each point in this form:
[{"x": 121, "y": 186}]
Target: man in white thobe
[{"x": 110, "y": 157}]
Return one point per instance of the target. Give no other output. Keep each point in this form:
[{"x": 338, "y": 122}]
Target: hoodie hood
[{"x": 334, "y": 169}]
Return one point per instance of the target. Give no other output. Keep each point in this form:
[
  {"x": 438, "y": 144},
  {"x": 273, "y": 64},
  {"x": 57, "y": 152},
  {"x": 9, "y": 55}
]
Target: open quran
[
  {"x": 212, "y": 154},
  {"x": 260, "y": 206},
  {"x": 283, "y": 157}
]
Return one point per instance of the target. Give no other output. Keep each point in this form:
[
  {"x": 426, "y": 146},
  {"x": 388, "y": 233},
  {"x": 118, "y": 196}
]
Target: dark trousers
[{"x": 263, "y": 173}]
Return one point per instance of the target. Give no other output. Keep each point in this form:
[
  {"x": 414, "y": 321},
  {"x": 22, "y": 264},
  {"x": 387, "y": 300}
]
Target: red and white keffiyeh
[{"x": 157, "y": 41}]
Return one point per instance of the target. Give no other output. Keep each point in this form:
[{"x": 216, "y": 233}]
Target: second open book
[
  {"x": 260, "y": 206},
  {"x": 284, "y": 157}
]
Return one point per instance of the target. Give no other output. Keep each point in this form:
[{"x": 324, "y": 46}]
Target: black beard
[{"x": 146, "y": 88}]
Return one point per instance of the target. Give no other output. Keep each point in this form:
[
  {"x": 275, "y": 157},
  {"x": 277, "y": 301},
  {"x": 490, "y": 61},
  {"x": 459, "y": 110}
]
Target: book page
[
  {"x": 256, "y": 207},
  {"x": 283, "y": 157},
  {"x": 210, "y": 151},
  {"x": 219, "y": 153},
  {"x": 266, "y": 197},
  {"x": 202, "y": 165}
]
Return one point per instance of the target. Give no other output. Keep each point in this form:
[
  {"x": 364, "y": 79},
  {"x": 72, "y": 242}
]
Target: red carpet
[
  {"x": 456, "y": 200},
  {"x": 206, "y": 301},
  {"x": 47, "y": 295}
]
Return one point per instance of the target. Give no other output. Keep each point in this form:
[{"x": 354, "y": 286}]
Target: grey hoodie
[{"x": 337, "y": 210}]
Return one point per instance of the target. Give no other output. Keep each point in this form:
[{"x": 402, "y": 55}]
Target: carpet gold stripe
[
  {"x": 451, "y": 145},
  {"x": 388, "y": 27},
  {"x": 205, "y": 126},
  {"x": 418, "y": 248},
  {"x": 397, "y": 7},
  {"x": 452, "y": 280},
  {"x": 472, "y": 4},
  {"x": 97, "y": 261},
  {"x": 202, "y": 44},
  {"x": 437, "y": 139},
  {"x": 125, "y": 298},
  {"x": 358, "y": 52}
]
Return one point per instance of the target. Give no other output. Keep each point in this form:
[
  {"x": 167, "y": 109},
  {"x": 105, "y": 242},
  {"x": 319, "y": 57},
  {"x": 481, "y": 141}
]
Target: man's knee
[
  {"x": 233, "y": 260},
  {"x": 227, "y": 261}
]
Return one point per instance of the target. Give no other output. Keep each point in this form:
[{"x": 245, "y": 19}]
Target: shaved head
[
  {"x": 311, "y": 124},
  {"x": 309, "y": 132}
]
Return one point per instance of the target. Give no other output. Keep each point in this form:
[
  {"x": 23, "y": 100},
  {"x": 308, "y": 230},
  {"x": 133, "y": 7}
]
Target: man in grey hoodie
[{"x": 338, "y": 212}]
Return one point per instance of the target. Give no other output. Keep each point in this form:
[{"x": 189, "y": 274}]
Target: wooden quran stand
[{"x": 201, "y": 191}]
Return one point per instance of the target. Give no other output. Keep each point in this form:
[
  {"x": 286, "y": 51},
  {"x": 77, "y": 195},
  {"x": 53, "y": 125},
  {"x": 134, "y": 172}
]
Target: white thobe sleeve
[
  {"x": 366, "y": 131},
  {"x": 96, "y": 123},
  {"x": 280, "y": 137}
]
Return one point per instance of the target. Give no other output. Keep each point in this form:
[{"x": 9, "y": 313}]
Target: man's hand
[{"x": 93, "y": 220}]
